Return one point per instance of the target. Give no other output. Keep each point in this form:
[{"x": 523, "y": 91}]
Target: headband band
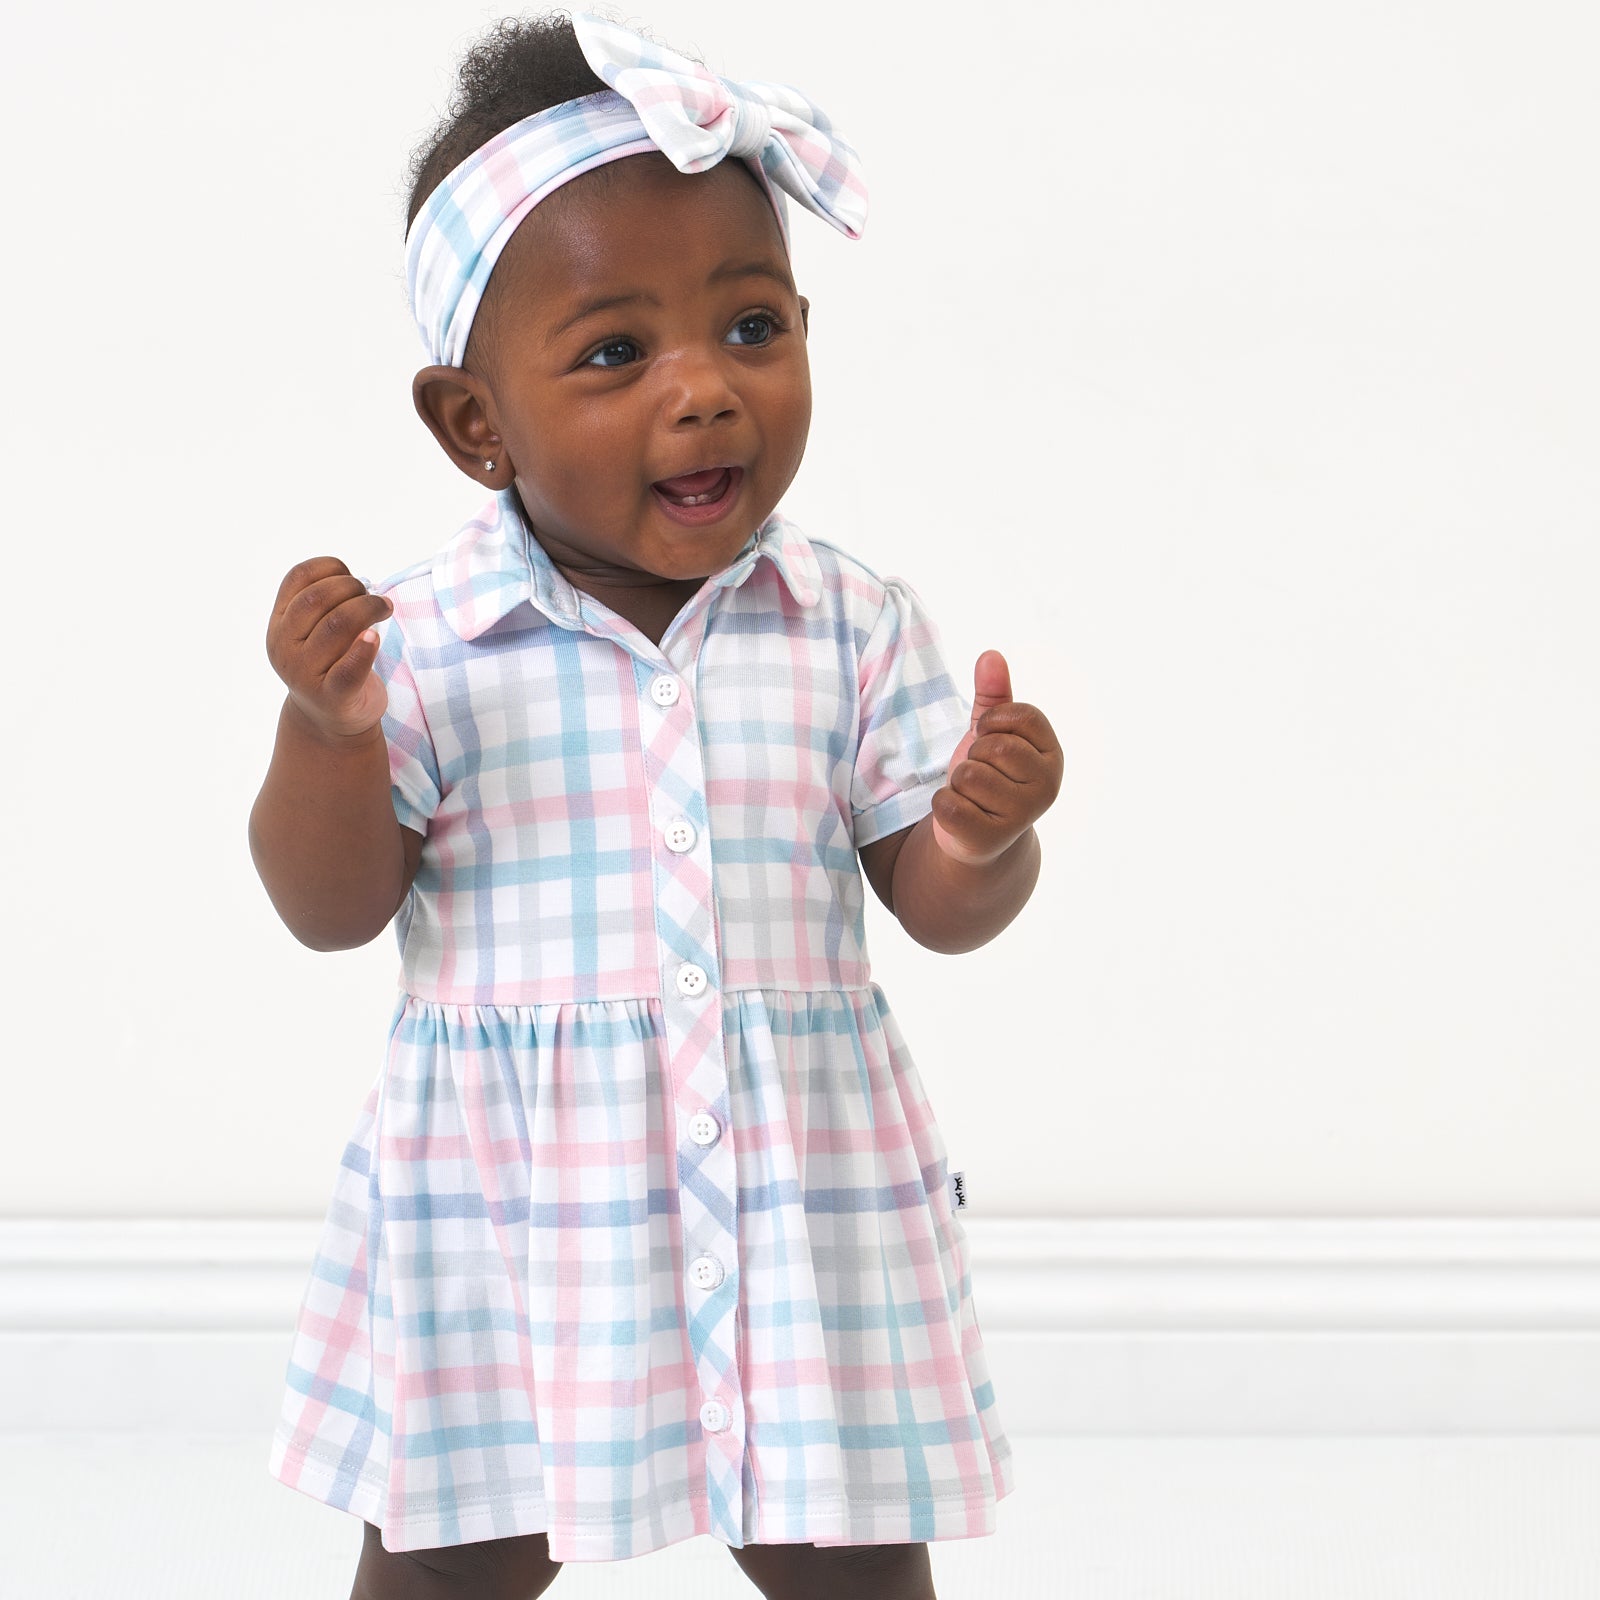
[{"x": 657, "y": 100}]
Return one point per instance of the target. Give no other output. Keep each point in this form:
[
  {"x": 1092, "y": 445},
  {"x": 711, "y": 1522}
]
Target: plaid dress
[{"x": 645, "y": 1228}]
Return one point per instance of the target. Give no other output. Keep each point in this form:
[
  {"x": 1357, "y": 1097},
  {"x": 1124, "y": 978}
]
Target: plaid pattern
[
  {"x": 697, "y": 119},
  {"x": 659, "y": 101},
  {"x": 644, "y": 1230}
]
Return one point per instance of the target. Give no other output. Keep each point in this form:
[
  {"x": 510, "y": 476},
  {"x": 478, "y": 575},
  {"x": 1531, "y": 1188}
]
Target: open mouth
[{"x": 698, "y": 497}]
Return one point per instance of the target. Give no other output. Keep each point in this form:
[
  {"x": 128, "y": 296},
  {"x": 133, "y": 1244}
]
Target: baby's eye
[
  {"x": 755, "y": 329},
  {"x": 613, "y": 353}
]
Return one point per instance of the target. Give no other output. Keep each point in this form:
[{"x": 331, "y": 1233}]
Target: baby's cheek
[{"x": 796, "y": 430}]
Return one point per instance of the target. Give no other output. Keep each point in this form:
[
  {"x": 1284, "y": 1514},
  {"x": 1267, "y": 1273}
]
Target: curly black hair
[{"x": 520, "y": 66}]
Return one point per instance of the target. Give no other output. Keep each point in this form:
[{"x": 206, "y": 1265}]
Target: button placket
[{"x": 692, "y": 1003}]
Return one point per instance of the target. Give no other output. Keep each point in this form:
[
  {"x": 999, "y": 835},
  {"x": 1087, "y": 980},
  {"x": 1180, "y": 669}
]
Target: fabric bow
[{"x": 696, "y": 119}]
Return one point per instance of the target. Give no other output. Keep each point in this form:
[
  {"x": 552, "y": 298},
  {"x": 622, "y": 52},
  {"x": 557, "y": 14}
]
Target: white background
[{"x": 1232, "y": 368}]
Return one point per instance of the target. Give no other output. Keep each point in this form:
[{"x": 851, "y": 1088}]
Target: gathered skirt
[{"x": 497, "y": 1337}]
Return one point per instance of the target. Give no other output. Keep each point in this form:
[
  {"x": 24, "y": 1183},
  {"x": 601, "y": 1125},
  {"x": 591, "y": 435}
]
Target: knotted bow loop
[
  {"x": 696, "y": 119},
  {"x": 752, "y": 126}
]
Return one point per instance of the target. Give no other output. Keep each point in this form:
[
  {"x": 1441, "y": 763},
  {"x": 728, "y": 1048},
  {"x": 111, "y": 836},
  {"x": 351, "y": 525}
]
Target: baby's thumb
[{"x": 991, "y": 683}]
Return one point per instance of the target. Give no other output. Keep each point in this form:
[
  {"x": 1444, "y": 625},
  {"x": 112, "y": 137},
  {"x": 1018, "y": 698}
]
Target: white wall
[{"x": 1238, "y": 382}]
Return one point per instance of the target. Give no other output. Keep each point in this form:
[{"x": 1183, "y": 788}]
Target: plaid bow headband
[{"x": 656, "y": 100}]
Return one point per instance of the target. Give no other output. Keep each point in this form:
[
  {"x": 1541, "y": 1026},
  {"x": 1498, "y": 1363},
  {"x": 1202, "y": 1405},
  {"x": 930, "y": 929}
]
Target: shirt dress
[{"x": 645, "y": 1228}]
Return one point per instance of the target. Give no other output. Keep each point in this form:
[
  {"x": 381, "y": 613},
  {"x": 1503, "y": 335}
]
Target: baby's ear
[{"x": 457, "y": 407}]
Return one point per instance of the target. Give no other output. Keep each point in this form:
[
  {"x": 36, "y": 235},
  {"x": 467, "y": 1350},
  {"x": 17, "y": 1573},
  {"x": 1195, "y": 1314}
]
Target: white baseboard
[{"x": 1118, "y": 1326}]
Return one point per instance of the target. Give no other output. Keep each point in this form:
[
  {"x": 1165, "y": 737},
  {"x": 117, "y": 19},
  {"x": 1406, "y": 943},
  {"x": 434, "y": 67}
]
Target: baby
[{"x": 645, "y": 1229}]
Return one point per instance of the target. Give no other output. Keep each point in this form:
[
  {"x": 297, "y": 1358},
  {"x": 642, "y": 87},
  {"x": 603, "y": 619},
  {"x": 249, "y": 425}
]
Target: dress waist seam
[{"x": 480, "y": 1004}]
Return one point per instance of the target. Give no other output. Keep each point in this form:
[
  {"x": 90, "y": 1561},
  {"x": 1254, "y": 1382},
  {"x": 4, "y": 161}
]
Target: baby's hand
[
  {"x": 319, "y": 644},
  {"x": 1004, "y": 775}
]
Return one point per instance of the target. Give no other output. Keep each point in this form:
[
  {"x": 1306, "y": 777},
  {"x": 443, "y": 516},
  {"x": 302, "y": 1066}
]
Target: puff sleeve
[
  {"x": 912, "y": 716},
  {"x": 413, "y": 763}
]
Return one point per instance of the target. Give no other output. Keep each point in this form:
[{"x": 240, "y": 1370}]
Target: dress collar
[{"x": 494, "y": 564}]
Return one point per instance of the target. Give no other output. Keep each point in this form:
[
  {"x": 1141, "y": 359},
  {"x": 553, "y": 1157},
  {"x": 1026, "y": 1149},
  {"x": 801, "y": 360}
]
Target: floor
[{"x": 197, "y": 1518}]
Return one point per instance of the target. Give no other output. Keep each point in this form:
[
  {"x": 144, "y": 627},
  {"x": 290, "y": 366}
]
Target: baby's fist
[
  {"x": 1004, "y": 775},
  {"x": 320, "y": 643}
]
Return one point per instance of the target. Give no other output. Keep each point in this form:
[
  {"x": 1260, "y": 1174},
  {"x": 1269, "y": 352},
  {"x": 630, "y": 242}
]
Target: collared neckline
[{"x": 494, "y": 564}]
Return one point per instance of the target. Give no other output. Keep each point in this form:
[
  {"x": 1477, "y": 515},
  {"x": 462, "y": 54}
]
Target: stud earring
[{"x": 489, "y": 466}]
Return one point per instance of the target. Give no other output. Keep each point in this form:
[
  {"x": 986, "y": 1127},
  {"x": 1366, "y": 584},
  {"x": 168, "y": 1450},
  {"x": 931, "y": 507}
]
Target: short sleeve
[
  {"x": 912, "y": 718},
  {"x": 413, "y": 765}
]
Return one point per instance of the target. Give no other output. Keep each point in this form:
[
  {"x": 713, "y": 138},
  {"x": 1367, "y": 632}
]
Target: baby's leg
[
  {"x": 838, "y": 1572},
  {"x": 496, "y": 1569}
]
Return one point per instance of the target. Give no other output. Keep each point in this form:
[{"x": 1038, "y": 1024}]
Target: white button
[
  {"x": 664, "y": 691},
  {"x": 714, "y": 1416},
  {"x": 680, "y": 835},
  {"x": 704, "y": 1128},
  {"x": 705, "y": 1272},
  {"x": 691, "y": 979}
]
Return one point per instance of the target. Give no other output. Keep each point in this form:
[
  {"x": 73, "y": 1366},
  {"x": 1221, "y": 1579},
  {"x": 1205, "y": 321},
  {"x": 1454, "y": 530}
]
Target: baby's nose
[{"x": 701, "y": 390}]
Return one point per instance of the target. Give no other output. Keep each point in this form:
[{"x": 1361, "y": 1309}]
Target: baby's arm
[
  {"x": 334, "y": 859},
  {"x": 958, "y": 877}
]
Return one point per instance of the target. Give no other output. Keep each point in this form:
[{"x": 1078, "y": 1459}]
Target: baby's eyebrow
[
  {"x": 604, "y": 303},
  {"x": 641, "y": 297},
  {"x": 752, "y": 269}
]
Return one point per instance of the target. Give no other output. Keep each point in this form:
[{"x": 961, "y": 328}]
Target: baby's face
[{"x": 647, "y": 370}]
